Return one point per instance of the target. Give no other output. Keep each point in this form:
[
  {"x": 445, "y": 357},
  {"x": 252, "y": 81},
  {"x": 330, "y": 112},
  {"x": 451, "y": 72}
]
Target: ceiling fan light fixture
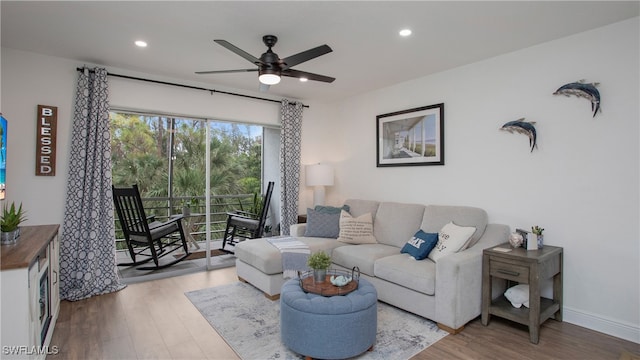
[
  {"x": 271, "y": 67},
  {"x": 269, "y": 77}
]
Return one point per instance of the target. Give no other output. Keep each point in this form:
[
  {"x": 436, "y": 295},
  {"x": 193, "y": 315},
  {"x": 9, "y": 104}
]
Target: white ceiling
[{"x": 367, "y": 51}]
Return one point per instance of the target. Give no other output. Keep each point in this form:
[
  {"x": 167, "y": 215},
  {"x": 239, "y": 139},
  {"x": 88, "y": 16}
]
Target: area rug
[{"x": 250, "y": 324}]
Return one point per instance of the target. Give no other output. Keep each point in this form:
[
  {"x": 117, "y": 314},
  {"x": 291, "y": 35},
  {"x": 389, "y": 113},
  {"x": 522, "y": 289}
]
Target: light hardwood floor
[{"x": 155, "y": 320}]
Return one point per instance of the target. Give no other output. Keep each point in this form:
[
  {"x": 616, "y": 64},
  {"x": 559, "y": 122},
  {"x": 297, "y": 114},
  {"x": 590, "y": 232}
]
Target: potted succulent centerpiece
[
  {"x": 11, "y": 219},
  {"x": 319, "y": 262}
]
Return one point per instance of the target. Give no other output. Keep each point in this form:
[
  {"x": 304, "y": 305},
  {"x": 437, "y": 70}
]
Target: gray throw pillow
[
  {"x": 331, "y": 209},
  {"x": 321, "y": 224}
]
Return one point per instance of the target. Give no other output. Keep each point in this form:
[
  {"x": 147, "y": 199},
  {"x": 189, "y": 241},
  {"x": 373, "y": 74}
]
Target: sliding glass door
[{"x": 197, "y": 167}]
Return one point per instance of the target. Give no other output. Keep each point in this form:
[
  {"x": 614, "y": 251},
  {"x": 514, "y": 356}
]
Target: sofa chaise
[{"x": 447, "y": 291}]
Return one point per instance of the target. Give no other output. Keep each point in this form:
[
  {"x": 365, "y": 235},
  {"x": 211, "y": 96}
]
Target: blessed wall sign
[{"x": 46, "y": 140}]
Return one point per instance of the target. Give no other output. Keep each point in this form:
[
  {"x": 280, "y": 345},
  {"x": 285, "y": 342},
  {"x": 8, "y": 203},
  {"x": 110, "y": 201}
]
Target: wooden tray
[{"x": 326, "y": 288}]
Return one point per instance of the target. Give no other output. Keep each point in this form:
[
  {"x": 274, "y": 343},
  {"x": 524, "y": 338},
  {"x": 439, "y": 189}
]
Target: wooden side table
[{"x": 524, "y": 267}]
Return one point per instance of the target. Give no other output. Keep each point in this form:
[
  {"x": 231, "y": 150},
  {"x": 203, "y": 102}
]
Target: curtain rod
[{"x": 188, "y": 86}]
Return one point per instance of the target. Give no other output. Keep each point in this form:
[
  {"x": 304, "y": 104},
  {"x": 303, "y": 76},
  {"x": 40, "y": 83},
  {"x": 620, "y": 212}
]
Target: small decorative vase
[
  {"x": 11, "y": 237},
  {"x": 319, "y": 275},
  {"x": 540, "y": 241},
  {"x": 532, "y": 241},
  {"x": 515, "y": 240}
]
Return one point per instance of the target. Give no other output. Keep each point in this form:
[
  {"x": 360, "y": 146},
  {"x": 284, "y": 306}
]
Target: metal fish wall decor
[
  {"x": 582, "y": 89},
  {"x": 522, "y": 127}
]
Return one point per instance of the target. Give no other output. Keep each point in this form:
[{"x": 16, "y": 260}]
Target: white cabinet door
[
  {"x": 34, "y": 305},
  {"x": 54, "y": 275}
]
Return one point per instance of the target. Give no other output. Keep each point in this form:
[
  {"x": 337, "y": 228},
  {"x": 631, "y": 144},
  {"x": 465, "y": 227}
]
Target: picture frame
[{"x": 411, "y": 137}]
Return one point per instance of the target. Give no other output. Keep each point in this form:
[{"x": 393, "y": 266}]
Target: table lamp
[{"x": 319, "y": 176}]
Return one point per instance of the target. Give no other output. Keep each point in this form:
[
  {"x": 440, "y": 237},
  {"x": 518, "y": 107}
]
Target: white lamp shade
[{"x": 319, "y": 175}]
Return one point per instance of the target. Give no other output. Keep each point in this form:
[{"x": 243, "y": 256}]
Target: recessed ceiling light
[
  {"x": 405, "y": 32},
  {"x": 141, "y": 43},
  {"x": 302, "y": 79}
]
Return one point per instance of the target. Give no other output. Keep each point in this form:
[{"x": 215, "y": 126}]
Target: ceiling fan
[{"x": 270, "y": 67}]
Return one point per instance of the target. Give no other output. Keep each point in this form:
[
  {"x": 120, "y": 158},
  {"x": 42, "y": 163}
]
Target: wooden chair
[
  {"x": 242, "y": 225},
  {"x": 144, "y": 235}
]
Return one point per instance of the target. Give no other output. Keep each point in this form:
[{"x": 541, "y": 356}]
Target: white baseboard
[{"x": 626, "y": 331}]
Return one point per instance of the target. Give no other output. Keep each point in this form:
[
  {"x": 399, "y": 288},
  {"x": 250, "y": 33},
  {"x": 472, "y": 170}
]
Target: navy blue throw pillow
[{"x": 420, "y": 245}]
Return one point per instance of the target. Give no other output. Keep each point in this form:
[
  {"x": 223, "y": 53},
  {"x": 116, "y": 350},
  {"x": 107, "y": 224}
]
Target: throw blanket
[{"x": 294, "y": 255}]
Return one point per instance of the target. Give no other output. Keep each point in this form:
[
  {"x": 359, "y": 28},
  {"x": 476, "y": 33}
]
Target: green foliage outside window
[{"x": 142, "y": 154}]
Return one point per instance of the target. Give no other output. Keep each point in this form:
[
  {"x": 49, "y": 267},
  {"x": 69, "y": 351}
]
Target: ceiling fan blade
[
  {"x": 239, "y": 51},
  {"x": 225, "y": 71},
  {"x": 306, "y": 56},
  {"x": 308, "y": 75}
]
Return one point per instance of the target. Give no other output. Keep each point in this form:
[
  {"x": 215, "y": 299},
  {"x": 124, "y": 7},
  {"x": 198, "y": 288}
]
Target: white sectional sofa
[{"x": 447, "y": 291}]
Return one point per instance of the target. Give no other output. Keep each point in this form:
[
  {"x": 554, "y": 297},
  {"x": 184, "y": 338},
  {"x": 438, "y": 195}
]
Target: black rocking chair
[
  {"x": 144, "y": 235},
  {"x": 243, "y": 225}
]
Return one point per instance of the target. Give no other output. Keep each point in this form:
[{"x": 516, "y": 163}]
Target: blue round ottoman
[{"x": 336, "y": 327}]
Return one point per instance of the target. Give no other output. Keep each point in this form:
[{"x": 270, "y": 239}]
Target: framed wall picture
[
  {"x": 46, "y": 135},
  {"x": 411, "y": 137}
]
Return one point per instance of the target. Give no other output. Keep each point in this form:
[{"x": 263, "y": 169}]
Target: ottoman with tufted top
[{"x": 334, "y": 327}]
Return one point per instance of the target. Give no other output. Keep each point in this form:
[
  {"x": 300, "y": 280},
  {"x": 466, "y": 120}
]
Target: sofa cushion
[
  {"x": 322, "y": 224},
  {"x": 265, "y": 257},
  {"x": 361, "y": 207},
  {"x": 451, "y": 239},
  {"x": 420, "y": 245},
  {"x": 404, "y": 270},
  {"x": 362, "y": 256},
  {"x": 437, "y": 216},
  {"x": 356, "y": 230},
  {"x": 395, "y": 223}
]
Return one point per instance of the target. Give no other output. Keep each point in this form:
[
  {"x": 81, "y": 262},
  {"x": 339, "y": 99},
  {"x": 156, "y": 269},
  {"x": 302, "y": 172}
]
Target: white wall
[
  {"x": 581, "y": 184},
  {"x": 30, "y": 79}
]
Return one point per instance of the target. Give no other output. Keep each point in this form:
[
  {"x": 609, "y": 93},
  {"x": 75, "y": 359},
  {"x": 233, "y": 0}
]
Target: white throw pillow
[
  {"x": 451, "y": 239},
  {"x": 357, "y": 230},
  {"x": 518, "y": 295}
]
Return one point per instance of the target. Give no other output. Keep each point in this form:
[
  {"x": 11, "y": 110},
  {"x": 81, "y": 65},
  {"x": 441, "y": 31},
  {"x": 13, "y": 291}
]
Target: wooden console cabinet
[
  {"x": 30, "y": 293},
  {"x": 523, "y": 266}
]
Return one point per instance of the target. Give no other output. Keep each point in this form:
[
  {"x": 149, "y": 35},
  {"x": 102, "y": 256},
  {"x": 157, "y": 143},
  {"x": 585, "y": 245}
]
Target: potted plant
[
  {"x": 186, "y": 209},
  {"x": 536, "y": 230},
  {"x": 268, "y": 230},
  {"x": 319, "y": 262},
  {"x": 256, "y": 206},
  {"x": 11, "y": 219}
]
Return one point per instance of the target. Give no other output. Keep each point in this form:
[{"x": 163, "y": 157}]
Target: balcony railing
[{"x": 165, "y": 207}]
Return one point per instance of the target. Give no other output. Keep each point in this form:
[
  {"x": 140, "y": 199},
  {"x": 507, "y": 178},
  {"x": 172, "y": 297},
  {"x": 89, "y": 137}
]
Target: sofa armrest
[
  {"x": 297, "y": 230},
  {"x": 459, "y": 280}
]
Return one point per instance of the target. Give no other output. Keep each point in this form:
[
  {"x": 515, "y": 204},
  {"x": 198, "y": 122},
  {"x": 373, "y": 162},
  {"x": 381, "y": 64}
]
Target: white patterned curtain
[
  {"x": 87, "y": 250},
  {"x": 290, "y": 145}
]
